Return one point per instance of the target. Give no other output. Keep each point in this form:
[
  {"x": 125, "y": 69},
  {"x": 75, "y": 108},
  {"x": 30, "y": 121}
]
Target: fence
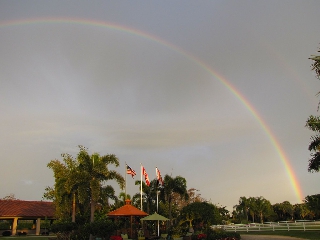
[{"x": 272, "y": 226}]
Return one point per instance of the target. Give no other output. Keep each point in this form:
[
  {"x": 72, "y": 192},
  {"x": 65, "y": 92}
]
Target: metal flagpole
[
  {"x": 157, "y": 198},
  {"x": 125, "y": 183},
  {"x": 141, "y": 187}
]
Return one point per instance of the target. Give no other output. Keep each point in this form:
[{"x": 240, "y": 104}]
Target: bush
[
  {"x": 218, "y": 233},
  {"x": 103, "y": 228},
  {"x": 6, "y": 233}
]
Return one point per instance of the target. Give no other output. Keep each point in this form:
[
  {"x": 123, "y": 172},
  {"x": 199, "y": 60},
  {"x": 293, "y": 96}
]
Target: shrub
[
  {"x": 103, "y": 228},
  {"x": 218, "y": 233},
  {"x": 6, "y": 233}
]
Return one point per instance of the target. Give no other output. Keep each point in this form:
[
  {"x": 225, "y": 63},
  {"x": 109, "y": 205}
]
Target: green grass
[
  {"x": 26, "y": 237},
  {"x": 312, "y": 235}
]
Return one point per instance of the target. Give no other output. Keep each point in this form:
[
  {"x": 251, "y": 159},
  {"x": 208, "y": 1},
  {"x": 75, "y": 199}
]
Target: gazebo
[{"x": 128, "y": 211}]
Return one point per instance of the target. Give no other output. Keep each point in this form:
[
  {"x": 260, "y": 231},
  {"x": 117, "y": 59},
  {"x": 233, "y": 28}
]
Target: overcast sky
[{"x": 149, "y": 83}]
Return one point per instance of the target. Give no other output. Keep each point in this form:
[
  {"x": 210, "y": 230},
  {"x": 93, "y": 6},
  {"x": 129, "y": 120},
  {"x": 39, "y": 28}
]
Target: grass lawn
[
  {"x": 27, "y": 237},
  {"x": 298, "y": 234}
]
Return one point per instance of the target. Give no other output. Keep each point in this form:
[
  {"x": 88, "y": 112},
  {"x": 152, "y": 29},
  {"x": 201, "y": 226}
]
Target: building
[{"x": 16, "y": 210}]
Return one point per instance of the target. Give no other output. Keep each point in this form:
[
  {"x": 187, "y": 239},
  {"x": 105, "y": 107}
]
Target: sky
[{"x": 217, "y": 92}]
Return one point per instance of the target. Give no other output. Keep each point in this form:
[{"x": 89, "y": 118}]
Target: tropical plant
[
  {"x": 313, "y": 123},
  {"x": 313, "y": 203},
  {"x": 242, "y": 209},
  {"x": 200, "y": 215},
  {"x": 82, "y": 181},
  {"x": 173, "y": 185},
  {"x": 284, "y": 211},
  {"x": 149, "y": 195}
]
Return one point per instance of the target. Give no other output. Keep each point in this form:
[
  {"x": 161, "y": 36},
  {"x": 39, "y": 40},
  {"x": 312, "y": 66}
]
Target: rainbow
[{"x": 286, "y": 163}]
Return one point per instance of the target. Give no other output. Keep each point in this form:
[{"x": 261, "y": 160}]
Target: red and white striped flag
[
  {"x": 144, "y": 173},
  {"x": 160, "y": 181},
  {"x": 131, "y": 171}
]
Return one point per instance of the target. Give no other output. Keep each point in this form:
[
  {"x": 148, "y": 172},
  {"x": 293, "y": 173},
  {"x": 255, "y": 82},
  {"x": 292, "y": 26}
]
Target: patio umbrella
[{"x": 155, "y": 217}]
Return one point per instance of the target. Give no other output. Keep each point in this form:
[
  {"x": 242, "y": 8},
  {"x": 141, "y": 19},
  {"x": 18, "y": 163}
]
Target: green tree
[
  {"x": 263, "y": 208},
  {"x": 252, "y": 207},
  {"x": 313, "y": 123},
  {"x": 301, "y": 211},
  {"x": 313, "y": 203},
  {"x": 149, "y": 195},
  {"x": 284, "y": 211},
  {"x": 173, "y": 185},
  {"x": 201, "y": 214},
  {"x": 83, "y": 178},
  {"x": 242, "y": 209}
]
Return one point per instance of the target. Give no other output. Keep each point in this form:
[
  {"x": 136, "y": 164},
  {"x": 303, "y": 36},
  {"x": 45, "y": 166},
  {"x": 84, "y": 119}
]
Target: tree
[
  {"x": 301, "y": 210},
  {"x": 149, "y": 195},
  {"x": 263, "y": 207},
  {"x": 173, "y": 185},
  {"x": 284, "y": 210},
  {"x": 11, "y": 196},
  {"x": 313, "y": 123},
  {"x": 313, "y": 203},
  {"x": 82, "y": 179},
  {"x": 201, "y": 214},
  {"x": 242, "y": 209}
]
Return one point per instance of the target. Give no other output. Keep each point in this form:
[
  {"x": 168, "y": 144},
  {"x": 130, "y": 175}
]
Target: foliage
[
  {"x": 149, "y": 196},
  {"x": 62, "y": 227},
  {"x": 201, "y": 214},
  {"x": 4, "y": 224},
  {"x": 103, "y": 228},
  {"x": 6, "y": 233},
  {"x": 11, "y": 196},
  {"x": 313, "y": 203},
  {"x": 218, "y": 233},
  {"x": 25, "y": 224},
  {"x": 81, "y": 182},
  {"x": 284, "y": 211},
  {"x": 173, "y": 185},
  {"x": 313, "y": 123},
  {"x": 257, "y": 207}
]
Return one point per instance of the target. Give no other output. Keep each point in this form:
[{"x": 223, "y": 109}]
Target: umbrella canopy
[
  {"x": 127, "y": 210},
  {"x": 154, "y": 217}
]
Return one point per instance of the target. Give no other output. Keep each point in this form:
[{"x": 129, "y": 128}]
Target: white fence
[{"x": 272, "y": 226}]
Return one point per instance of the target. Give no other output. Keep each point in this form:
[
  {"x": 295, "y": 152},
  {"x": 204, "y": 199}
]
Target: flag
[
  {"x": 131, "y": 171},
  {"x": 144, "y": 173},
  {"x": 160, "y": 181}
]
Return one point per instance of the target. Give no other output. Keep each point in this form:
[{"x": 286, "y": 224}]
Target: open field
[{"x": 312, "y": 235}]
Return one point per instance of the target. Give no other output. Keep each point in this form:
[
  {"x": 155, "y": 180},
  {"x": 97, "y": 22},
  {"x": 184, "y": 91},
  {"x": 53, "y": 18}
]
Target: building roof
[
  {"x": 19, "y": 208},
  {"x": 127, "y": 210}
]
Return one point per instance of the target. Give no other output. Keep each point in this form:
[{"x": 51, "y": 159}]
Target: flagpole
[
  {"x": 157, "y": 188},
  {"x": 141, "y": 186},
  {"x": 157, "y": 198},
  {"x": 125, "y": 182}
]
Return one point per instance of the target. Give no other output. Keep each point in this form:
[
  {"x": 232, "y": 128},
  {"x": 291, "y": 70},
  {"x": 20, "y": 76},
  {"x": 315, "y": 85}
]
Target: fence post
[
  {"x": 304, "y": 226},
  {"x": 288, "y": 226}
]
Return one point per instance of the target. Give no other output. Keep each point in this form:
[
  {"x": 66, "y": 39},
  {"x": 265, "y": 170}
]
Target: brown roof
[
  {"x": 127, "y": 210},
  {"x": 18, "y": 208}
]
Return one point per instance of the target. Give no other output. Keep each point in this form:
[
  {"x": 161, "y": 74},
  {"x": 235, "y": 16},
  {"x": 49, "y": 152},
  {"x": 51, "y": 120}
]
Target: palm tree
[
  {"x": 149, "y": 194},
  {"x": 263, "y": 207},
  {"x": 252, "y": 207},
  {"x": 313, "y": 123},
  {"x": 173, "y": 185},
  {"x": 94, "y": 172},
  {"x": 243, "y": 207}
]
